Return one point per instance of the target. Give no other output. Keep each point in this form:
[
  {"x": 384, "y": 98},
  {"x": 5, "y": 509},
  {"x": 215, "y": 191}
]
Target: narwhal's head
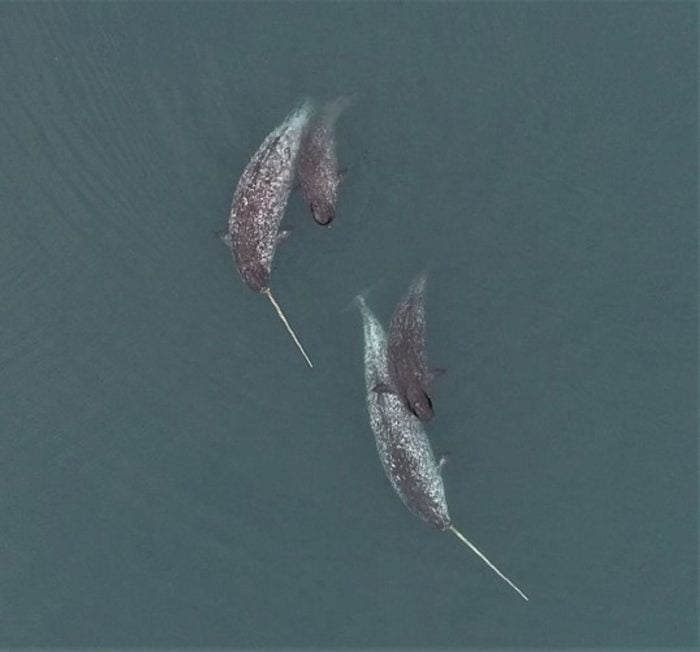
[
  {"x": 254, "y": 273},
  {"x": 323, "y": 212},
  {"x": 419, "y": 403}
]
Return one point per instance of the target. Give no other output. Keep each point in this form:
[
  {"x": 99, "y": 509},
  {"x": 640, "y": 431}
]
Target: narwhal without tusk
[
  {"x": 409, "y": 375},
  {"x": 259, "y": 203},
  {"x": 319, "y": 176},
  {"x": 403, "y": 446}
]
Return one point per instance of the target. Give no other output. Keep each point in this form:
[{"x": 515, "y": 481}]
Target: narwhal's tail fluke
[
  {"x": 277, "y": 308},
  {"x": 483, "y": 558}
]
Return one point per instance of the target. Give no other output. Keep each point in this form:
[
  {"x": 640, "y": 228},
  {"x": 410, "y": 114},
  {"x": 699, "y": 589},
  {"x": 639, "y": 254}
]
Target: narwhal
[
  {"x": 258, "y": 206},
  {"x": 409, "y": 376},
  {"x": 402, "y": 444},
  {"x": 318, "y": 163}
]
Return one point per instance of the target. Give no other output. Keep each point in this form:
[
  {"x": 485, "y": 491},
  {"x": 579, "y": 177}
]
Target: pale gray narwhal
[
  {"x": 319, "y": 176},
  {"x": 409, "y": 375},
  {"x": 403, "y": 446},
  {"x": 259, "y": 203}
]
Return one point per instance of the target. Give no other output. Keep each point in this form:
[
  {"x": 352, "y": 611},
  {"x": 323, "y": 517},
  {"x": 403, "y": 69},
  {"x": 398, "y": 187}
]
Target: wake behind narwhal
[
  {"x": 259, "y": 203},
  {"x": 403, "y": 446}
]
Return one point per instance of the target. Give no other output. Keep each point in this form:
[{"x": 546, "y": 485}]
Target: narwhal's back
[
  {"x": 407, "y": 357},
  {"x": 261, "y": 197}
]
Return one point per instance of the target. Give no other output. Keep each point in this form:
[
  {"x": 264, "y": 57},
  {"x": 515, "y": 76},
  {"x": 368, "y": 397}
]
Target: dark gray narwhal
[
  {"x": 403, "y": 446},
  {"x": 259, "y": 203},
  {"x": 318, "y": 164},
  {"x": 409, "y": 376}
]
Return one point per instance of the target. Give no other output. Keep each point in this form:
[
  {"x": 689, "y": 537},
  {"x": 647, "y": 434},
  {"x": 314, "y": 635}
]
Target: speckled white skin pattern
[
  {"x": 318, "y": 163},
  {"x": 408, "y": 366},
  {"x": 261, "y": 198},
  {"x": 402, "y": 444}
]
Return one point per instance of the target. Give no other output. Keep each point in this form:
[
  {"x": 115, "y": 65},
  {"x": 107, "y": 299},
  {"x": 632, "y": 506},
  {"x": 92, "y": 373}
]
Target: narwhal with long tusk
[
  {"x": 259, "y": 203},
  {"x": 402, "y": 444}
]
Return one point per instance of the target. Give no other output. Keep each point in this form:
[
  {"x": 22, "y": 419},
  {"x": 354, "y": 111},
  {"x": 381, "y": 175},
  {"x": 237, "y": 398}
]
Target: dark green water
[{"x": 170, "y": 471}]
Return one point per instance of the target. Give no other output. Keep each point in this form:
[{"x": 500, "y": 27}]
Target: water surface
[{"x": 171, "y": 471}]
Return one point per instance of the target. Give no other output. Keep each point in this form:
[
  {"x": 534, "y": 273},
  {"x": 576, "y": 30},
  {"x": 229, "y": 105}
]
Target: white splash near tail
[
  {"x": 483, "y": 558},
  {"x": 287, "y": 326}
]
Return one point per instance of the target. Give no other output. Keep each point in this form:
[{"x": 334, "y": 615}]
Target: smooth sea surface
[{"x": 171, "y": 472}]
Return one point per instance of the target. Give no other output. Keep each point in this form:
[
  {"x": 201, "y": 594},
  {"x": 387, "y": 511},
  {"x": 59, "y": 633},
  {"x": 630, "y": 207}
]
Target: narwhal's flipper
[
  {"x": 284, "y": 234},
  {"x": 434, "y": 373},
  {"x": 225, "y": 236},
  {"x": 383, "y": 388}
]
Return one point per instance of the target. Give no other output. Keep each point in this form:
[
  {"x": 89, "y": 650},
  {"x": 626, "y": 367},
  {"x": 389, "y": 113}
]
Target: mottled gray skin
[
  {"x": 318, "y": 163},
  {"x": 407, "y": 360},
  {"x": 402, "y": 444},
  {"x": 261, "y": 198}
]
